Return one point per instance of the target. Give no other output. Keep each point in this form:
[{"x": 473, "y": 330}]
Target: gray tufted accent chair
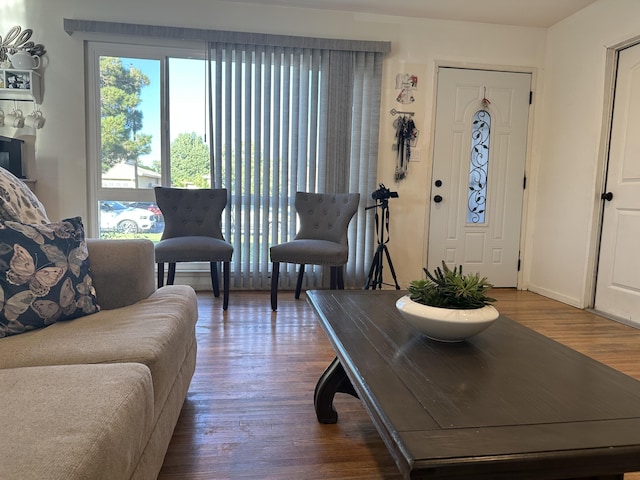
[
  {"x": 321, "y": 240},
  {"x": 193, "y": 233}
]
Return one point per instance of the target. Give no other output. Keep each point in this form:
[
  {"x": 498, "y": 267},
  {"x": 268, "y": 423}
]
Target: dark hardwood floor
[{"x": 249, "y": 412}]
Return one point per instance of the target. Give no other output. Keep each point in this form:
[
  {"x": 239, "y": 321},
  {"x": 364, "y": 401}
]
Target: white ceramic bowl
[{"x": 445, "y": 324}]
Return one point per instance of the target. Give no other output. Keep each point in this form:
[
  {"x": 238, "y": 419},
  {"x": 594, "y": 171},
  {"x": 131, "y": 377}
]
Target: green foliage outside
[
  {"x": 122, "y": 121},
  {"x": 190, "y": 161},
  {"x": 446, "y": 288},
  {"x": 114, "y": 234},
  {"x": 120, "y": 117}
]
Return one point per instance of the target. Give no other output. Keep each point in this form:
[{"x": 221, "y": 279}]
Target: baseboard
[
  {"x": 615, "y": 318},
  {"x": 574, "y": 302}
]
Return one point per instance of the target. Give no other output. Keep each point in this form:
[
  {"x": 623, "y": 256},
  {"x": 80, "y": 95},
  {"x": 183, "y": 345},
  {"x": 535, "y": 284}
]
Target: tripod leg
[
  {"x": 375, "y": 272},
  {"x": 372, "y": 269},
  {"x": 393, "y": 272},
  {"x": 379, "y": 267}
]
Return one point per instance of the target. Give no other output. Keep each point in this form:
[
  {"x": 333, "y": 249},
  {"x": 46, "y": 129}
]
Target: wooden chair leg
[
  {"x": 340, "y": 281},
  {"x": 333, "y": 280},
  {"x": 160, "y": 274},
  {"x": 214, "y": 279},
  {"x": 299, "y": 281},
  {"x": 225, "y": 286},
  {"x": 171, "y": 274},
  {"x": 275, "y": 272}
]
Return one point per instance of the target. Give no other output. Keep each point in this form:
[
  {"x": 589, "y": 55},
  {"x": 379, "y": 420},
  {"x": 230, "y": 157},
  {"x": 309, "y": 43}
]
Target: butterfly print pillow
[{"x": 45, "y": 276}]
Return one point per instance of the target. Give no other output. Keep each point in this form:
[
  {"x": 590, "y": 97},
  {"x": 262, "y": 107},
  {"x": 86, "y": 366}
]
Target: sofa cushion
[
  {"x": 17, "y": 202},
  {"x": 45, "y": 275},
  {"x": 122, "y": 270},
  {"x": 74, "y": 422},
  {"x": 157, "y": 331}
]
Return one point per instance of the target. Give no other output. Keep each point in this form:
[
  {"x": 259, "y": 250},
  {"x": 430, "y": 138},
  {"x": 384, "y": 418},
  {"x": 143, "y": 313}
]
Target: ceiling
[{"x": 528, "y": 13}]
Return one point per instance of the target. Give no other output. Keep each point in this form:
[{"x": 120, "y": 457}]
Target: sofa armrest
[{"x": 123, "y": 270}]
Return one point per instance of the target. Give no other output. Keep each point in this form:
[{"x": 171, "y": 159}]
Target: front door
[
  {"x": 478, "y": 172},
  {"x": 618, "y": 279}
]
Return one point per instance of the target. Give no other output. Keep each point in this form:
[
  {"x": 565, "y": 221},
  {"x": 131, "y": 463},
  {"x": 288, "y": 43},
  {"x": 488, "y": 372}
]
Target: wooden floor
[{"x": 249, "y": 412}]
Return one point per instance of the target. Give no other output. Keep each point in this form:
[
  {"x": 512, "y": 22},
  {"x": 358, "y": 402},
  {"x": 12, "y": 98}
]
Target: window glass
[
  {"x": 479, "y": 167},
  {"x": 130, "y": 220},
  {"x": 252, "y": 119},
  {"x": 130, "y": 122},
  {"x": 136, "y": 94},
  {"x": 189, "y": 157}
]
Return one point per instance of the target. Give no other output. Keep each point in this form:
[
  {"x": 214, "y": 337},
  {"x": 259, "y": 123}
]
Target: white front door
[
  {"x": 478, "y": 172},
  {"x": 618, "y": 280}
]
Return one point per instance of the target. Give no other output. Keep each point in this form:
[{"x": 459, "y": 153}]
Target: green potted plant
[
  {"x": 449, "y": 305},
  {"x": 448, "y": 288}
]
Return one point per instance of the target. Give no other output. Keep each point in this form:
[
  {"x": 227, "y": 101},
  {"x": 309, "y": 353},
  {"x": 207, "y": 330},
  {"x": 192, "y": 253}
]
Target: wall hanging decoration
[
  {"x": 406, "y": 84},
  {"x": 16, "y": 41},
  {"x": 485, "y": 101},
  {"x": 406, "y": 135},
  {"x": 21, "y": 65}
]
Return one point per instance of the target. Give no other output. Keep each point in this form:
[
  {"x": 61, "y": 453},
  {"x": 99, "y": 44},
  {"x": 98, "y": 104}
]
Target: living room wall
[
  {"x": 418, "y": 46},
  {"x": 569, "y": 167}
]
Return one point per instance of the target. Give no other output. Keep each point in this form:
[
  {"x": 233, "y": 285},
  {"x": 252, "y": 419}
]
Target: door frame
[
  {"x": 525, "y": 231},
  {"x": 610, "y": 74}
]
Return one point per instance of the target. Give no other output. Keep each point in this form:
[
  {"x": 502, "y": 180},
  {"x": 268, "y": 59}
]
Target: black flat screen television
[{"x": 11, "y": 155}]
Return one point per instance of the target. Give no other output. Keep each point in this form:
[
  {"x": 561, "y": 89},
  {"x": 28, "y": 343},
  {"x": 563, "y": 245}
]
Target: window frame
[{"x": 94, "y": 50}]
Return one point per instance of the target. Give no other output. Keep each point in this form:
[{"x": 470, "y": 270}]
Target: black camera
[{"x": 383, "y": 193}]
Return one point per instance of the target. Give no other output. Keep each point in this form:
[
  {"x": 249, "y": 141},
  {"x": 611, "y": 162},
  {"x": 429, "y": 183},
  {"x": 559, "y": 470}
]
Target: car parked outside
[
  {"x": 152, "y": 207},
  {"x": 124, "y": 218}
]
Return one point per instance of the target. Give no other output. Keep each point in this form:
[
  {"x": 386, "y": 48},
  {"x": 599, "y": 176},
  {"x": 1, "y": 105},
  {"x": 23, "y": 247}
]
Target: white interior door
[
  {"x": 618, "y": 280},
  {"x": 478, "y": 172}
]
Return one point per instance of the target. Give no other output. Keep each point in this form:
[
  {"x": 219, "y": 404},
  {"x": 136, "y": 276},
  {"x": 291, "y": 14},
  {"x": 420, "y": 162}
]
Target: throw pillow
[
  {"x": 45, "y": 276},
  {"x": 17, "y": 202}
]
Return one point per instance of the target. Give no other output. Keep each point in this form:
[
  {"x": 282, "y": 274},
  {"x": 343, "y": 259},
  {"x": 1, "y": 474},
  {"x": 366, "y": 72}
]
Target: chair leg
[
  {"x": 171, "y": 274},
  {"x": 299, "y": 282},
  {"x": 160, "y": 274},
  {"x": 214, "y": 279},
  {"x": 225, "y": 280},
  {"x": 333, "y": 284},
  {"x": 340, "y": 281},
  {"x": 275, "y": 272}
]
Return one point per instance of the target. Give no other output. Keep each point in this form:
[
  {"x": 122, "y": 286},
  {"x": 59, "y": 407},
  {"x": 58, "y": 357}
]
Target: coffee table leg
[{"x": 333, "y": 380}]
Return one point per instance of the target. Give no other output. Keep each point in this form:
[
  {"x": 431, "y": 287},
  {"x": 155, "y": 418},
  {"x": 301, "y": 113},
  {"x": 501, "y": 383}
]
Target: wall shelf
[{"x": 24, "y": 85}]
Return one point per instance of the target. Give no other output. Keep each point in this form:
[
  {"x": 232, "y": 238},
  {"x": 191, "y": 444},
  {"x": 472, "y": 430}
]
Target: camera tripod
[{"x": 374, "y": 279}]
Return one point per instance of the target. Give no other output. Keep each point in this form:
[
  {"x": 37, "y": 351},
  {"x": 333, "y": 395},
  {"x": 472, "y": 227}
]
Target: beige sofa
[{"x": 98, "y": 397}]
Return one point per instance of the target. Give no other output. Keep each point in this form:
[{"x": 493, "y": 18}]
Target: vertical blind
[{"x": 287, "y": 119}]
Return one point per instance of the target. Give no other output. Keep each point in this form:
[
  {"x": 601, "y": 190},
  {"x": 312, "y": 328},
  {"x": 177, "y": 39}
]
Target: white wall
[
  {"x": 417, "y": 46},
  {"x": 568, "y": 178}
]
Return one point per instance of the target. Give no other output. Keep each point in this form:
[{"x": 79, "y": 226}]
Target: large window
[
  {"x": 261, "y": 121},
  {"x": 150, "y": 114}
]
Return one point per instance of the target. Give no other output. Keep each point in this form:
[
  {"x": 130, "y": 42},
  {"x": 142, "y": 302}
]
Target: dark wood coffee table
[{"x": 506, "y": 404}]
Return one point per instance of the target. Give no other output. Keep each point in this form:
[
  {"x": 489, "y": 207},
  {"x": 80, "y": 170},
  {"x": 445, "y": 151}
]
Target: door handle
[
  {"x": 437, "y": 198},
  {"x": 607, "y": 196}
]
